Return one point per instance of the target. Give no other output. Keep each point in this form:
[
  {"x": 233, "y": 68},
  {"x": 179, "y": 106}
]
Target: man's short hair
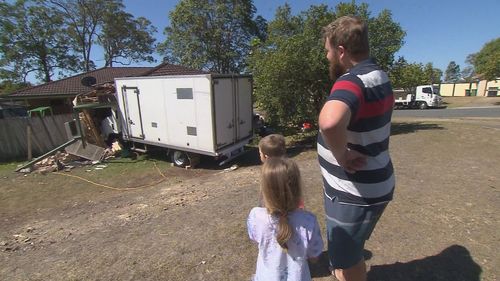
[
  {"x": 350, "y": 33},
  {"x": 273, "y": 145}
]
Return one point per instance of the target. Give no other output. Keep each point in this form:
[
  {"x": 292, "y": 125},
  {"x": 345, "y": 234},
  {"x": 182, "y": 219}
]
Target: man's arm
[{"x": 333, "y": 121}]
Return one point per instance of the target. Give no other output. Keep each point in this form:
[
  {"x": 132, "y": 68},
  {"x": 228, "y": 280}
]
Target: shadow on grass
[
  {"x": 452, "y": 264},
  {"x": 399, "y": 128},
  {"x": 159, "y": 154},
  {"x": 250, "y": 158}
]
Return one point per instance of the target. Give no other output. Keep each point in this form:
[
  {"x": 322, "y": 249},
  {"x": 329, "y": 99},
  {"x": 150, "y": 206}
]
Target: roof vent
[{"x": 88, "y": 81}]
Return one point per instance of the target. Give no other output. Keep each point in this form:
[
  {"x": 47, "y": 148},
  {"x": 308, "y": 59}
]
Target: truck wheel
[
  {"x": 180, "y": 158},
  {"x": 422, "y": 105}
]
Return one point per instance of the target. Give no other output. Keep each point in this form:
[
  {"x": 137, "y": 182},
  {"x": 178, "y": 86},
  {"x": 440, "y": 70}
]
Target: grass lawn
[{"x": 454, "y": 102}]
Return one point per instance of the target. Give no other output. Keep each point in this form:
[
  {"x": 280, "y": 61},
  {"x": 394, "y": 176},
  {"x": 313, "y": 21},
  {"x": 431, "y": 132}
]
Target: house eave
[{"x": 48, "y": 96}]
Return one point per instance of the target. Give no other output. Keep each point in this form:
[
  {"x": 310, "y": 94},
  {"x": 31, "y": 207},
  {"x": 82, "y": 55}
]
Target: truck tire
[
  {"x": 422, "y": 105},
  {"x": 184, "y": 159},
  {"x": 180, "y": 158}
]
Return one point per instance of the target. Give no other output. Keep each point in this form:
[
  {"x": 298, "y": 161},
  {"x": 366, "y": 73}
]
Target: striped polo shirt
[{"x": 368, "y": 93}]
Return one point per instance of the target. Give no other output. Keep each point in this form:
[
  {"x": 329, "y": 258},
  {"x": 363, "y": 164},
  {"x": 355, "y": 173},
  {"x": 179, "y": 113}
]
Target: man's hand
[
  {"x": 352, "y": 161},
  {"x": 333, "y": 121}
]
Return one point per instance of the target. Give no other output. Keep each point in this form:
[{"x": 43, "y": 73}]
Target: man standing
[{"x": 353, "y": 146}]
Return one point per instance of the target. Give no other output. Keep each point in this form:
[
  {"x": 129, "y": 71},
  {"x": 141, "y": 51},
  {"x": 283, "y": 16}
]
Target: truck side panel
[
  {"x": 176, "y": 112},
  {"x": 151, "y": 94},
  {"x": 189, "y": 115}
]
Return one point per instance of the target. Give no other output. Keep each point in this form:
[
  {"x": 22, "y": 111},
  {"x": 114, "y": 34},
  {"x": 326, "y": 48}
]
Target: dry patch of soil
[{"x": 442, "y": 225}]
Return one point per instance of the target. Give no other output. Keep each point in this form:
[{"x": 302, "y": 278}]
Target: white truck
[
  {"x": 190, "y": 115},
  {"x": 424, "y": 96}
]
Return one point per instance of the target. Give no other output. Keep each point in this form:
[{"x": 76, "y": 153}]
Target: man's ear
[{"x": 341, "y": 51}]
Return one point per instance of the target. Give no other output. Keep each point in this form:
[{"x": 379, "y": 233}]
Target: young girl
[{"x": 286, "y": 235}]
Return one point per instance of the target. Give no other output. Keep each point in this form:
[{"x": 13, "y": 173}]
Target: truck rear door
[
  {"x": 245, "y": 107},
  {"x": 233, "y": 109},
  {"x": 132, "y": 112}
]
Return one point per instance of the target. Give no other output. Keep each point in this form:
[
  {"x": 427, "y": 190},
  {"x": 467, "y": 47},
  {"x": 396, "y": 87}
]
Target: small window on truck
[
  {"x": 427, "y": 90},
  {"x": 185, "y": 93}
]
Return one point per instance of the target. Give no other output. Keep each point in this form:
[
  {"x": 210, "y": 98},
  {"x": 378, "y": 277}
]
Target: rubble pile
[
  {"x": 100, "y": 94},
  {"x": 63, "y": 161},
  {"x": 98, "y": 143},
  {"x": 90, "y": 120},
  {"x": 58, "y": 162}
]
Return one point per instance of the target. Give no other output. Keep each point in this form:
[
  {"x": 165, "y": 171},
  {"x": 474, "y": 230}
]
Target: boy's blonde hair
[
  {"x": 273, "y": 145},
  {"x": 281, "y": 189}
]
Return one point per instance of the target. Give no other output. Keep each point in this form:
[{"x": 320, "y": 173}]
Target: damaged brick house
[
  {"x": 56, "y": 98},
  {"x": 58, "y": 95}
]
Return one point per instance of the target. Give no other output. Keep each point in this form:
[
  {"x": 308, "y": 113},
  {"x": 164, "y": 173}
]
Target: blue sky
[{"x": 438, "y": 31}]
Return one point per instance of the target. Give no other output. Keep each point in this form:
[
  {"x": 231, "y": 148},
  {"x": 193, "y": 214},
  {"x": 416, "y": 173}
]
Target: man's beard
[{"x": 336, "y": 69}]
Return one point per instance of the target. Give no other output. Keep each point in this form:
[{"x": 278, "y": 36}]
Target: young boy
[{"x": 272, "y": 146}]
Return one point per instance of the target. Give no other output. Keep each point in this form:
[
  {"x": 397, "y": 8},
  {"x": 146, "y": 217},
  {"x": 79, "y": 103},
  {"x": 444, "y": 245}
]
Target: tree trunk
[{"x": 44, "y": 64}]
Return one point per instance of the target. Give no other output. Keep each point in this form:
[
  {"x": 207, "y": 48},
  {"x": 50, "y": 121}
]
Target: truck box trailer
[{"x": 190, "y": 115}]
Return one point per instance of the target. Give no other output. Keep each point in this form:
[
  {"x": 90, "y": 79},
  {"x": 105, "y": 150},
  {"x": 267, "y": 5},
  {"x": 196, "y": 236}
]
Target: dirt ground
[{"x": 442, "y": 225}]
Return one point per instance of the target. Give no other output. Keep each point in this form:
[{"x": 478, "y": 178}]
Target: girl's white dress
[{"x": 273, "y": 263}]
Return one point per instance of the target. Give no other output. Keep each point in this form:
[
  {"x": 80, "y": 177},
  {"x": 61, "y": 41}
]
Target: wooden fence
[{"x": 46, "y": 134}]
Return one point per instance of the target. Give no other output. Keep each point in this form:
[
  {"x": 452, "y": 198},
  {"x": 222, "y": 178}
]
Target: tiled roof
[
  {"x": 72, "y": 86},
  {"x": 166, "y": 69}
]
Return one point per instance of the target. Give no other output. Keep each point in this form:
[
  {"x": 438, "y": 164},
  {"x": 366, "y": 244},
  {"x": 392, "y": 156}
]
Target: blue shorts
[{"x": 348, "y": 227}]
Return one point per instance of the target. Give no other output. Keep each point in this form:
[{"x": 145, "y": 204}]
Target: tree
[
  {"x": 468, "y": 74},
  {"x": 487, "y": 61},
  {"x": 7, "y": 87},
  {"x": 82, "y": 18},
  {"x": 432, "y": 75},
  {"x": 386, "y": 38},
  {"x": 409, "y": 75},
  {"x": 452, "y": 73},
  {"x": 290, "y": 69},
  {"x": 214, "y": 35},
  {"x": 32, "y": 40},
  {"x": 49, "y": 36},
  {"x": 396, "y": 72},
  {"x": 123, "y": 37}
]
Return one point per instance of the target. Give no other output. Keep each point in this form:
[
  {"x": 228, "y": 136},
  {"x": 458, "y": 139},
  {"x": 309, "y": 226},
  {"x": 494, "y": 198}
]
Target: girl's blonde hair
[{"x": 281, "y": 191}]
